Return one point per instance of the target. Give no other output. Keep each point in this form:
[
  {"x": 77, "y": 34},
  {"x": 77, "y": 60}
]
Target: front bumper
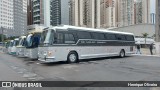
[
  {"x": 13, "y": 53},
  {"x": 21, "y": 55},
  {"x": 32, "y": 53},
  {"x": 47, "y": 59}
]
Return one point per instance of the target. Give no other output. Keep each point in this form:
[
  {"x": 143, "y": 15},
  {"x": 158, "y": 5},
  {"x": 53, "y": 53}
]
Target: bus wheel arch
[
  {"x": 73, "y": 57},
  {"x": 122, "y": 53}
]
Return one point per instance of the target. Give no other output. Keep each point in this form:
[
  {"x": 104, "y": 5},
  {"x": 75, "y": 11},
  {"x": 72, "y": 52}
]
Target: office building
[
  {"x": 158, "y": 21},
  {"x": 92, "y": 13},
  {"x": 6, "y": 14},
  {"x": 142, "y": 11},
  {"x": 50, "y": 12},
  {"x": 101, "y": 13},
  {"x": 107, "y": 13},
  {"x": 20, "y": 17},
  {"x": 13, "y": 17},
  {"x": 124, "y": 13},
  {"x": 29, "y": 12}
]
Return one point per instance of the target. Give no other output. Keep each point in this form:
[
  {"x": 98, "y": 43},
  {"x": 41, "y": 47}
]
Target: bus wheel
[
  {"x": 122, "y": 54},
  {"x": 72, "y": 57}
]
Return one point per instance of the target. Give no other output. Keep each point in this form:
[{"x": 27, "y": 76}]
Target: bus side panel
[{"x": 60, "y": 53}]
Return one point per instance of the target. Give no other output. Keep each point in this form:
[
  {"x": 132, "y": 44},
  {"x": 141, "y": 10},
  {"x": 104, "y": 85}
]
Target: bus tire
[
  {"x": 72, "y": 57},
  {"x": 122, "y": 54}
]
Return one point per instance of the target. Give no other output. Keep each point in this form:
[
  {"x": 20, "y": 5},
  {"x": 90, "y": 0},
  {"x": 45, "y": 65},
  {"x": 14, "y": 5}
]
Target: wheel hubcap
[
  {"x": 72, "y": 57},
  {"x": 122, "y": 54}
]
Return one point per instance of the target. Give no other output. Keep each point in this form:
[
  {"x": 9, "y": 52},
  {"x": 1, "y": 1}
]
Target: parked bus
[
  {"x": 10, "y": 46},
  {"x": 21, "y": 47},
  {"x": 32, "y": 42},
  {"x": 71, "y": 44},
  {"x": 14, "y": 47}
]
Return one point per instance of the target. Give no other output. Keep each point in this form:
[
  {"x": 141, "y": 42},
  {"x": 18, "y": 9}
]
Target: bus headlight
[{"x": 50, "y": 53}]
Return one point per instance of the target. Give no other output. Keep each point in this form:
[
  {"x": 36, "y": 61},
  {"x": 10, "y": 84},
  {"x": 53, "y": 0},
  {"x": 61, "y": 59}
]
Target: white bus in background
[
  {"x": 21, "y": 47},
  {"x": 14, "y": 48},
  {"x": 10, "y": 46},
  {"x": 32, "y": 41},
  {"x": 71, "y": 44},
  {"x": 141, "y": 40}
]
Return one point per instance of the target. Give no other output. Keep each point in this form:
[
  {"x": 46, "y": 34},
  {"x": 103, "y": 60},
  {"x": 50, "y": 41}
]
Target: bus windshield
[
  {"x": 33, "y": 40},
  {"x": 15, "y": 43},
  {"x": 29, "y": 40},
  {"x": 43, "y": 36},
  {"x": 22, "y": 42},
  {"x": 47, "y": 37},
  {"x": 11, "y": 44}
]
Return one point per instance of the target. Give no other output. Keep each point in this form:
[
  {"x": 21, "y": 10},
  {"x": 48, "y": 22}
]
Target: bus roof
[
  {"x": 35, "y": 29},
  {"x": 16, "y": 39},
  {"x": 22, "y": 37},
  {"x": 66, "y": 27},
  {"x": 11, "y": 40}
]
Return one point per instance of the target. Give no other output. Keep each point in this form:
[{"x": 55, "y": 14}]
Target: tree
[
  {"x": 12, "y": 37},
  {"x": 145, "y": 35},
  {"x": 4, "y": 37}
]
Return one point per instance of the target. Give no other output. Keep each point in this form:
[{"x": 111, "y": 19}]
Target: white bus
[
  {"x": 10, "y": 46},
  {"x": 21, "y": 47},
  {"x": 14, "y": 48},
  {"x": 71, "y": 44},
  {"x": 32, "y": 42}
]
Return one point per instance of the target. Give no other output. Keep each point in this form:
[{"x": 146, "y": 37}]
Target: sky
[{"x": 152, "y": 6}]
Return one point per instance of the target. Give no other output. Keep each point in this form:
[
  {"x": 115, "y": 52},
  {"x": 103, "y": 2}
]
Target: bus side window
[
  {"x": 110, "y": 36},
  {"x": 69, "y": 39},
  {"x": 84, "y": 35},
  {"x": 129, "y": 38},
  {"x": 120, "y": 37},
  {"x": 123, "y": 37},
  {"x": 24, "y": 42},
  {"x": 59, "y": 39},
  {"x": 36, "y": 40},
  {"x": 98, "y": 36}
]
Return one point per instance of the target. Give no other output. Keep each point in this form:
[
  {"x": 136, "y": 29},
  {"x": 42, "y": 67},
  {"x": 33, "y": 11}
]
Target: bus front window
[
  {"x": 15, "y": 43},
  {"x": 49, "y": 38},
  {"x": 29, "y": 41},
  {"x": 11, "y": 44},
  {"x": 33, "y": 40},
  {"x": 43, "y": 36},
  {"x": 22, "y": 42}
]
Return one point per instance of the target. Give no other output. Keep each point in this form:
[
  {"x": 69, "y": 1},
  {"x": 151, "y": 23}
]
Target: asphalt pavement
[{"x": 131, "y": 68}]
